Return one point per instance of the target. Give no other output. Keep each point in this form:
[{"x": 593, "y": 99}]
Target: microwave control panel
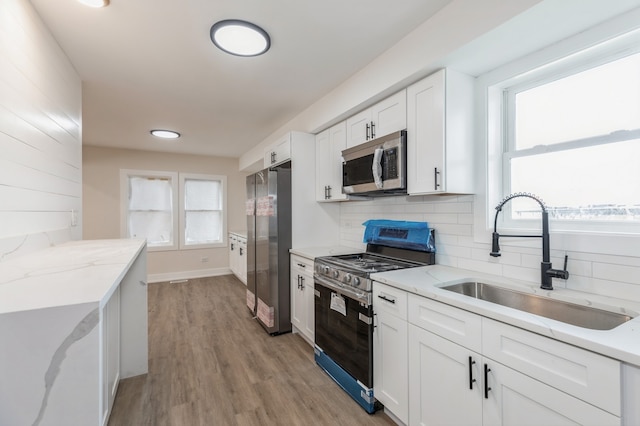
[{"x": 390, "y": 164}]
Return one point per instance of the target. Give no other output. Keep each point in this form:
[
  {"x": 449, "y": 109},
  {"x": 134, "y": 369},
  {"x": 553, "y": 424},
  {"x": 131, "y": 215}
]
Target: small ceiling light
[
  {"x": 165, "y": 134},
  {"x": 240, "y": 38},
  {"x": 95, "y": 3}
]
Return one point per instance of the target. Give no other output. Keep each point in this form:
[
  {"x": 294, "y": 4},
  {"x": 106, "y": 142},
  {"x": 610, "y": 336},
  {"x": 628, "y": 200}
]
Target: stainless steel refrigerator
[{"x": 268, "y": 244}]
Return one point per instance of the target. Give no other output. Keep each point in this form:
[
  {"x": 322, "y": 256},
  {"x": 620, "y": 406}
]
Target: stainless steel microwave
[{"x": 377, "y": 167}]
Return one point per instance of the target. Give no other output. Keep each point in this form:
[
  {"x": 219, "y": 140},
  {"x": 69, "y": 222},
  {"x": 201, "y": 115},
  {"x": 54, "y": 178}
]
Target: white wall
[
  {"x": 40, "y": 135},
  {"x": 420, "y": 53}
]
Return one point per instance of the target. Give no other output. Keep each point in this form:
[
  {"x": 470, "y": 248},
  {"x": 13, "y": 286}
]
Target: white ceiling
[{"x": 150, "y": 64}]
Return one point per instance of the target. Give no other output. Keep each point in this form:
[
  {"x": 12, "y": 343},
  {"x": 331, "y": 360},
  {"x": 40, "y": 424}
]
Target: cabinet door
[
  {"x": 242, "y": 259},
  {"x": 298, "y": 304},
  {"x": 279, "y": 152},
  {"x": 426, "y": 135},
  {"x": 359, "y": 128},
  {"x": 338, "y": 142},
  {"x": 516, "y": 399},
  {"x": 390, "y": 367},
  {"x": 233, "y": 251},
  {"x": 111, "y": 352},
  {"x": 445, "y": 385},
  {"x": 389, "y": 115},
  {"x": 323, "y": 165}
]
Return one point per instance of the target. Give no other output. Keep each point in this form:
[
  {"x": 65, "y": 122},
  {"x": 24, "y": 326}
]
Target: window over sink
[{"x": 568, "y": 131}]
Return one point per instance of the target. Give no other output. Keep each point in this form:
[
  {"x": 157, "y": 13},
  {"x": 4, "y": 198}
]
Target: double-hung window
[
  {"x": 173, "y": 210},
  {"x": 571, "y": 135},
  {"x": 202, "y": 210}
]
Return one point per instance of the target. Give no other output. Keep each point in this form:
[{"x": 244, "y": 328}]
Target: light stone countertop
[
  {"x": 239, "y": 233},
  {"x": 72, "y": 273},
  {"x": 622, "y": 342},
  {"x": 313, "y": 252}
]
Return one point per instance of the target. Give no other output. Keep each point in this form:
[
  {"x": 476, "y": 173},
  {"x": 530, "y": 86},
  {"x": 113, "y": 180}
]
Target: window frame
[
  {"x": 549, "y": 74},
  {"x": 617, "y": 38},
  {"x": 125, "y": 174},
  {"x": 178, "y": 207},
  {"x": 182, "y": 211}
]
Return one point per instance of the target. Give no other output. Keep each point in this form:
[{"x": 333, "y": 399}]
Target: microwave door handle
[{"x": 376, "y": 167}]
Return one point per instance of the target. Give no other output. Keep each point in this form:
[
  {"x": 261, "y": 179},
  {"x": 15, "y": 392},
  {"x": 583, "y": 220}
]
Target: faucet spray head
[{"x": 495, "y": 246}]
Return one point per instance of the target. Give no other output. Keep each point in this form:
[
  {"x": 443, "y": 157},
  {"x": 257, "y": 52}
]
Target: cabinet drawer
[
  {"x": 390, "y": 300},
  {"x": 301, "y": 265},
  {"x": 456, "y": 325},
  {"x": 588, "y": 376}
]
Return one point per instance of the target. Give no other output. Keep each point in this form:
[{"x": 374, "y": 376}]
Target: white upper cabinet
[
  {"x": 279, "y": 152},
  {"x": 440, "y": 153},
  {"x": 329, "y": 146},
  {"x": 387, "y": 116}
]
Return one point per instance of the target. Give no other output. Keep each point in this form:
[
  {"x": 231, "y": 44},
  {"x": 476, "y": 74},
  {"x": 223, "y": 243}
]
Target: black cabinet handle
[
  {"x": 241, "y": 251},
  {"x": 486, "y": 381},
  {"x": 435, "y": 178},
  {"x": 373, "y": 130},
  {"x": 367, "y": 131},
  {"x": 387, "y": 299},
  {"x": 471, "y": 379},
  {"x": 328, "y": 192},
  {"x": 232, "y": 247}
]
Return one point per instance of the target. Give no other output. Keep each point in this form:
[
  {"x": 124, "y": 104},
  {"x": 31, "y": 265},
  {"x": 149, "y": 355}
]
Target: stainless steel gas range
[{"x": 343, "y": 303}]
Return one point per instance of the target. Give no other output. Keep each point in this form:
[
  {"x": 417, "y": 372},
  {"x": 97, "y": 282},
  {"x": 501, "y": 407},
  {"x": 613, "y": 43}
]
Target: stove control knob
[
  {"x": 325, "y": 270},
  {"x": 347, "y": 278},
  {"x": 336, "y": 273},
  {"x": 356, "y": 281}
]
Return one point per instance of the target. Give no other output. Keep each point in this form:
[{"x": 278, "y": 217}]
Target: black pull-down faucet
[{"x": 546, "y": 271}]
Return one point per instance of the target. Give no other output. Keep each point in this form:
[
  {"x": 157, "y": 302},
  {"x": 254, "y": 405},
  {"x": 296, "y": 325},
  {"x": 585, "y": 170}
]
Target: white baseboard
[{"x": 185, "y": 275}]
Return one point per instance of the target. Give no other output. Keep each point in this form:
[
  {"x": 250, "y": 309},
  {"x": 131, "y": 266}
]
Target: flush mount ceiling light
[
  {"x": 165, "y": 134},
  {"x": 240, "y": 38},
  {"x": 95, "y": 3}
]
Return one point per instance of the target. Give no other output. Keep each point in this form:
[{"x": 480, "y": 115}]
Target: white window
[
  {"x": 173, "y": 210},
  {"x": 571, "y": 135},
  {"x": 202, "y": 210}
]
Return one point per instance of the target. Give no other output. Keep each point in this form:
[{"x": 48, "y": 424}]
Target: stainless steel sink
[{"x": 567, "y": 312}]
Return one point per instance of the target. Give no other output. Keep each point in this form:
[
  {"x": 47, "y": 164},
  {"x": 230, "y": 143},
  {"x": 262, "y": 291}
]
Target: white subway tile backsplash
[
  {"x": 621, "y": 273},
  {"x": 452, "y": 218},
  {"x": 475, "y": 265}
]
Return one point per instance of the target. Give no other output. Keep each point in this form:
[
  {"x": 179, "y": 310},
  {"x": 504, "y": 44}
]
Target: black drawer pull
[
  {"x": 387, "y": 299},
  {"x": 486, "y": 381},
  {"x": 471, "y": 379}
]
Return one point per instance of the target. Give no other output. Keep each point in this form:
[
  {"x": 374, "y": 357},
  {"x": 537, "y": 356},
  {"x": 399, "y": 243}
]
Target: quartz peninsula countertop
[
  {"x": 622, "y": 342},
  {"x": 72, "y": 273}
]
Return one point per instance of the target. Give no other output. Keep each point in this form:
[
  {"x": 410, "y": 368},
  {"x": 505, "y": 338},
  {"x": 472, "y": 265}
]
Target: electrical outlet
[{"x": 74, "y": 217}]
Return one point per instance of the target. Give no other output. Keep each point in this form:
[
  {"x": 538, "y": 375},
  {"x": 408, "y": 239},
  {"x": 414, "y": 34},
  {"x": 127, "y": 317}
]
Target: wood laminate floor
[{"x": 211, "y": 364}]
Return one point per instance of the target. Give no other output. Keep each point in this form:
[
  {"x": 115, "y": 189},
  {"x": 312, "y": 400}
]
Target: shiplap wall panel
[{"x": 40, "y": 135}]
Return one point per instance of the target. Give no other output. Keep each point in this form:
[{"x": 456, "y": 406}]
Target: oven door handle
[{"x": 347, "y": 291}]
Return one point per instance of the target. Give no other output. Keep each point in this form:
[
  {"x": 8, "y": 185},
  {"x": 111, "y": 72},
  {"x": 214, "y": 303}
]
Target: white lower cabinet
[
  {"x": 302, "y": 297},
  {"x": 390, "y": 381},
  {"x": 110, "y": 325},
  {"x": 460, "y": 368},
  {"x": 443, "y": 389},
  {"x": 238, "y": 256}
]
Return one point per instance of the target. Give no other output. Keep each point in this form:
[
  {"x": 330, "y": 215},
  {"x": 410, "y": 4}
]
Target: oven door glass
[{"x": 346, "y": 339}]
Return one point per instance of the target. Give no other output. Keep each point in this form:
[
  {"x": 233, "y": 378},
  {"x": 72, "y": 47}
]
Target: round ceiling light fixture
[
  {"x": 240, "y": 38},
  {"x": 165, "y": 134}
]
